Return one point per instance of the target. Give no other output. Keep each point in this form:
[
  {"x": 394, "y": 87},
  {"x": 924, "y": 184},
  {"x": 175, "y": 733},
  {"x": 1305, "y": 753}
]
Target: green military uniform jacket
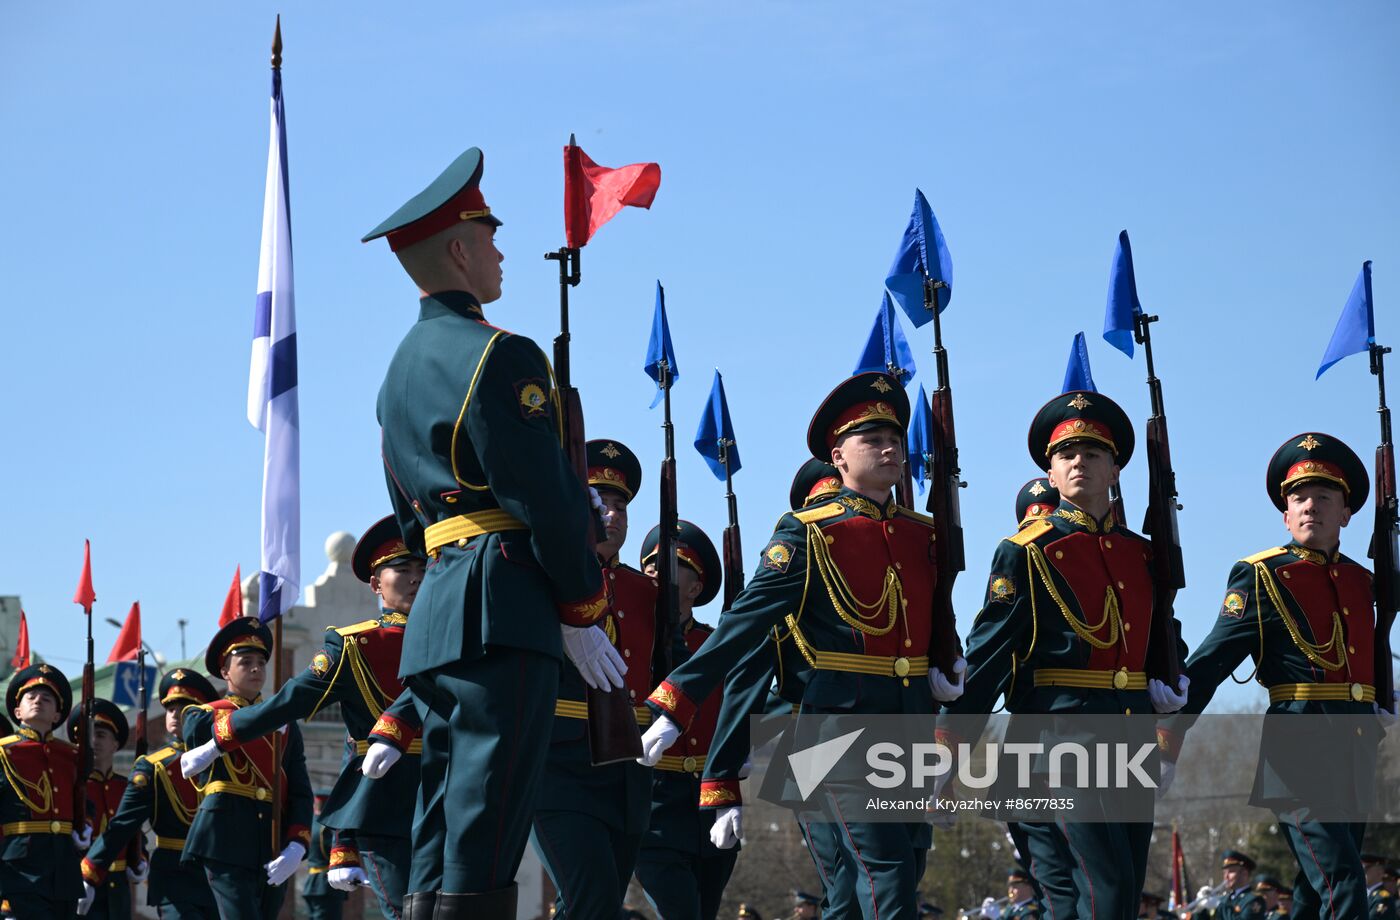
[
  {"x": 1029, "y": 909},
  {"x": 1380, "y": 902},
  {"x": 357, "y": 668},
  {"x": 159, "y": 794},
  {"x": 471, "y": 435},
  {"x": 234, "y": 819},
  {"x": 36, "y": 816}
]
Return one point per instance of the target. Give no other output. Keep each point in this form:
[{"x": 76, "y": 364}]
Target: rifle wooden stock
[
  {"x": 733, "y": 565},
  {"x": 1385, "y": 558},
  {"x": 1168, "y": 569},
  {"x": 944, "y": 505}
]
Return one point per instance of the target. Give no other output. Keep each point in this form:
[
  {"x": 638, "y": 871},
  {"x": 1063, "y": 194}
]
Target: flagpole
[{"x": 277, "y": 624}]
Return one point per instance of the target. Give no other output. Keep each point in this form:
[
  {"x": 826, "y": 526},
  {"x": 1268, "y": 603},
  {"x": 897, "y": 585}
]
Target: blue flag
[
  {"x": 272, "y": 383},
  {"x": 714, "y": 427},
  {"x": 923, "y": 253},
  {"x": 921, "y": 441},
  {"x": 1077, "y": 373},
  {"x": 887, "y": 349},
  {"x": 659, "y": 348},
  {"x": 1356, "y": 327},
  {"x": 1123, "y": 302}
]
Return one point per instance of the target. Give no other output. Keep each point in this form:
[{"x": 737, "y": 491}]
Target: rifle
[
  {"x": 732, "y": 545},
  {"x": 668, "y": 606},
  {"x": 84, "y": 739},
  {"x": 612, "y": 723},
  {"x": 1159, "y": 524},
  {"x": 943, "y": 500},
  {"x": 1383, "y": 542},
  {"x": 143, "y": 700}
]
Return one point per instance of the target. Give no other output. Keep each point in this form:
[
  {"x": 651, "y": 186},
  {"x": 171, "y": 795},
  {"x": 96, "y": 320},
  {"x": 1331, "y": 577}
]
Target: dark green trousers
[
  {"x": 836, "y": 873},
  {"x": 589, "y": 861},
  {"x": 489, "y": 719},
  {"x": 1048, "y": 859},
  {"x": 387, "y": 861},
  {"x": 1107, "y": 863},
  {"x": 1330, "y": 882},
  {"x": 182, "y": 909},
  {"x": 324, "y": 906},
  {"x": 887, "y": 862},
  {"x": 113, "y": 901},
  {"x": 242, "y": 893},
  {"x": 685, "y": 886}
]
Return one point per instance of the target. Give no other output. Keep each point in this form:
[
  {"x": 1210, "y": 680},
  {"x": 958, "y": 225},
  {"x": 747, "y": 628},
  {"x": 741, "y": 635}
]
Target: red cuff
[
  {"x": 585, "y": 612},
  {"x": 946, "y": 738},
  {"x": 720, "y": 793},
  {"x": 301, "y": 834},
  {"x": 343, "y": 856},
  {"x": 1169, "y": 743},
  {"x": 669, "y": 699},
  {"x": 92, "y": 874},
  {"x": 393, "y": 731}
]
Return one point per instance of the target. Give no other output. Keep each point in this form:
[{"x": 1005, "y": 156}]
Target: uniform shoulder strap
[
  {"x": 914, "y": 515},
  {"x": 819, "y": 513},
  {"x": 357, "y": 628},
  {"x": 1266, "y": 554},
  {"x": 1030, "y": 533}
]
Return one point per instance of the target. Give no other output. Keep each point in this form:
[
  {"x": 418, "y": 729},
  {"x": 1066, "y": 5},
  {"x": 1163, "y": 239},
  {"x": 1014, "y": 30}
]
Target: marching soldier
[
  {"x": 357, "y": 668},
  {"x": 589, "y": 820},
  {"x": 39, "y": 875},
  {"x": 680, "y": 868},
  {"x": 158, "y": 793},
  {"x": 865, "y": 626},
  {"x": 111, "y": 898},
  {"x": 322, "y": 901},
  {"x": 478, "y": 477},
  {"x": 1304, "y": 613},
  {"x": 1036, "y": 645},
  {"x": 231, "y": 833}
]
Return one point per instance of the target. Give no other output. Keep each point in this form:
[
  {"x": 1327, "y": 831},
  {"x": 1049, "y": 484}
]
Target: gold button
[
  {"x": 364, "y": 640},
  {"x": 627, "y": 653},
  {"x": 1108, "y": 544},
  {"x": 889, "y": 528},
  {"x": 1059, "y": 554},
  {"x": 690, "y": 764},
  {"x": 906, "y": 681},
  {"x": 1127, "y": 710},
  {"x": 1121, "y": 586},
  {"x": 612, "y": 577},
  {"x": 1127, "y": 627},
  {"x": 621, "y": 615},
  {"x": 462, "y": 543},
  {"x": 933, "y": 538},
  {"x": 1346, "y": 611},
  {"x": 54, "y": 826},
  {"x": 1351, "y": 649},
  {"x": 1356, "y": 693},
  {"x": 262, "y": 794},
  {"x": 898, "y": 565},
  {"x": 1358, "y": 729},
  {"x": 1334, "y": 573},
  {"x": 694, "y": 741},
  {"x": 907, "y": 643},
  {"x": 830, "y": 539},
  {"x": 450, "y": 499},
  {"x": 1287, "y": 574},
  {"x": 1120, "y": 679},
  {"x": 632, "y": 693},
  {"x": 901, "y": 667}
]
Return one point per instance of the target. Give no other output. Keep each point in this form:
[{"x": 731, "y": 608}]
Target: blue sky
[{"x": 1249, "y": 148}]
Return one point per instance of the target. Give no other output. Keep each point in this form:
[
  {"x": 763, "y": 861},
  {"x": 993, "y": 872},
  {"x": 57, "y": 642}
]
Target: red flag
[
  {"x": 1181, "y": 884},
  {"x": 85, "y": 595},
  {"x": 128, "y": 644},
  {"x": 593, "y": 193},
  {"x": 233, "y": 603},
  {"x": 21, "y": 658}
]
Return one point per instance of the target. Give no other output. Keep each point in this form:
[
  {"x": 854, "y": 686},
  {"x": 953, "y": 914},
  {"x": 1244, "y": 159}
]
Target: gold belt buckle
[
  {"x": 901, "y": 667},
  {"x": 689, "y": 765},
  {"x": 1120, "y": 679},
  {"x": 1356, "y": 693},
  {"x": 54, "y": 826}
]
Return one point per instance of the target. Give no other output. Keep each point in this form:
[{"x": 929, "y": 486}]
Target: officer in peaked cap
[
  {"x": 1304, "y": 612},
  {"x": 1380, "y": 896},
  {"x": 39, "y": 875},
  {"x": 160, "y": 794},
  {"x": 111, "y": 899},
  {"x": 1036, "y": 499},
  {"x": 479, "y": 479},
  {"x": 1092, "y": 663},
  {"x": 815, "y": 480},
  {"x": 589, "y": 820},
  {"x": 868, "y": 553},
  {"x": 1261, "y": 899},
  {"x": 1150, "y": 907},
  {"x": 805, "y": 906},
  {"x": 357, "y": 668},
  {"x": 680, "y": 867}
]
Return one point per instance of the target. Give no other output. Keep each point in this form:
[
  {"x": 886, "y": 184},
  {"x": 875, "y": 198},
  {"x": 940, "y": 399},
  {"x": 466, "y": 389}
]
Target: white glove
[
  {"x": 1388, "y": 718},
  {"x": 83, "y": 839},
  {"x": 345, "y": 878},
  {"x": 599, "y": 507},
  {"x": 594, "y": 656},
  {"x": 140, "y": 873},
  {"x": 85, "y": 903},
  {"x": 285, "y": 866},
  {"x": 1164, "y": 781},
  {"x": 728, "y": 828},
  {"x": 656, "y": 739},
  {"x": 944, "y": 690},
  {"x": 990, "y": 909},
  {"x": 1163, "y": 699},
  {"x": 198, "y": 759},
  {"x": 378, "y": 759}
]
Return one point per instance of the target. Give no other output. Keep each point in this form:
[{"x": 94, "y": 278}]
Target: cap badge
[
  {"x": 1036, "y": 488},
  {"x": 611, "y": 452},
  {"x": 1309, "y": 443},
  {"x": 881, "y": 385},
  {"x": 1079, "y": 402}
]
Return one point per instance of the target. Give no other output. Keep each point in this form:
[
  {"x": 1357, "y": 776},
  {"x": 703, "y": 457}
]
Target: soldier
[
  {"x": 1150, "y": 907},
  {"x": 680, "y": 868},
  {"x": 358, "y": 668},
  {"x": 39, "y": 873},
  {"x": 1285, "y": 903},
  {"x": 805, "y": 906},
  {"x": 1036, "y": 499},
  {"x": 322, "y": 901},
  {"x": 1262, "y": 899},
  {"x": 1034, "y": 644},
  {"x": 231, "y": 833},
  {"x": 589, "y": 820},
  {"x": 111, "y": 898},
  {"x": 1020, "y": 897},
  {"x": 1380, "y": 898},
  {"x": 1235, "y": 869},
  {"x": 160, "y": 794},
  {"x": 1304, "y": 613},
  {"x": 862, "y": 554},
  {"x": 477, "y": 475}
]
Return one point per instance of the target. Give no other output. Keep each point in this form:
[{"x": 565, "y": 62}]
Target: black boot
[
  {"x": 419, "y": 905},
  {"x": 489, "y": 905}
]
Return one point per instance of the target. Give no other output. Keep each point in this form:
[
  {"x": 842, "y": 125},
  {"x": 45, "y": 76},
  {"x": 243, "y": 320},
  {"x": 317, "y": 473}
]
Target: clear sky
[{"x": 1249, "y": 148}]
